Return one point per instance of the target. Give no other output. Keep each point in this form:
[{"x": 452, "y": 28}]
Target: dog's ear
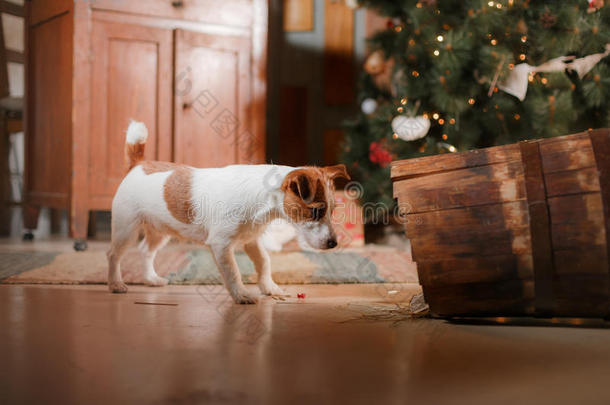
[
  {"x": 302, "y": 184},
  {"x": 336, "y": 172}
]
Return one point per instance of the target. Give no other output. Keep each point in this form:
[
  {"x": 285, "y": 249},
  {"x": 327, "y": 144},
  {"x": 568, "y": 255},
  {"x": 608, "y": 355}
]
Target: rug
[{"x": 192, "y": 264}]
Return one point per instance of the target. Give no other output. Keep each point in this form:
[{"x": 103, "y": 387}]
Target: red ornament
[
  {"x": 301, "y": 295},
  {"x": 379, "y": 154},
  {"x": 390, "y": 24}
]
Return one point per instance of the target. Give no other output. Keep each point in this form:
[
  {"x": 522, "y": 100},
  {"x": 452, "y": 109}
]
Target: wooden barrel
[{"x": 512, "y": 230}]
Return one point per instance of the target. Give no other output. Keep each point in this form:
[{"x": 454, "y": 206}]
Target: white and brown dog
[{"x": 221, "y": 207}]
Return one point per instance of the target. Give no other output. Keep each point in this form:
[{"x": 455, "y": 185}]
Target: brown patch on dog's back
[{"x": 177, "y": 192}]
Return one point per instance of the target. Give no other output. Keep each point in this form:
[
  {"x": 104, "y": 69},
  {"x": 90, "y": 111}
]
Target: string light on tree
[{"x": 440, "y": 38}]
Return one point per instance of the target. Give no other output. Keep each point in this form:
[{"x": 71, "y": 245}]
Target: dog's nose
[{"x": 331, "y": 243}]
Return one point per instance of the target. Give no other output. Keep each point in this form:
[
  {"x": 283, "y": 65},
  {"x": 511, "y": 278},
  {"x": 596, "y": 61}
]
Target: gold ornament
[{"x": 375, "y": 63}]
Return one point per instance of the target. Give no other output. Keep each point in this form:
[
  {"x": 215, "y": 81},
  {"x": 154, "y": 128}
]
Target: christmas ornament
[
  {"x": 410, "y": 128},
  {"x": 379, "y": 154},
  {"x": 375, "y": 63},
  {"x": 369, "y": 106},
  {"x": 380, "y": 70},
  {"x": 548, "y": 19},
  {"x": 595, "y": 5},
  {"x": 582, "y": 66},
  {"x": 517, "y": 81}
]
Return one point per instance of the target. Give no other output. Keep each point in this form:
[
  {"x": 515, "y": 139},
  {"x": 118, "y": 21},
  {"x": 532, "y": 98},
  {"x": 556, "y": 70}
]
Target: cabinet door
[
  {"x": 131, "y": 79},
  {"x": 212, "y": 98}
]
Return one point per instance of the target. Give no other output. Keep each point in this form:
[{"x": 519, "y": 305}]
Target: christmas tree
[{"x": 447, "y": 76}]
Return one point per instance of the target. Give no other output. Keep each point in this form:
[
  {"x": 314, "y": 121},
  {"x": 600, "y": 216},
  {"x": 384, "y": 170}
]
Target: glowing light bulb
[
  {"x": 403, "y": 101},
  {"x": 523, "y": 38},
  {"x": 441, "y": 121},
  {"x": 452, "y": 121},
  {"x": 436, "y": 52},
  {"x": 445, "y": 136},
  {"x": 440, "y": 38},
  {"x": 435, "y": 116},
  {"x": 471, "y": 101},
  {"x": 522, "y": 56},
  {"x": 494, "y": 42},
  {"x": 490, "y": 4},
  {"x": 517, "y": 117}
]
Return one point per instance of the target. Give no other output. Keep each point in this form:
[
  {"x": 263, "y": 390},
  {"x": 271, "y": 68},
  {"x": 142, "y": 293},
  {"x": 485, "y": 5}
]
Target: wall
[{"x": 298, "y": 116}]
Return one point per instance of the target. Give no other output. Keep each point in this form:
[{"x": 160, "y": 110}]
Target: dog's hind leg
[
  {"x": 150, "y": 245},
  {"x": 123, "y": 235}
]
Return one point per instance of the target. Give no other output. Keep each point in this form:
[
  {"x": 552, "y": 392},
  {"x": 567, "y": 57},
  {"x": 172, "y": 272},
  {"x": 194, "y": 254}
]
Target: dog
[{"x": 224, "y": 208}]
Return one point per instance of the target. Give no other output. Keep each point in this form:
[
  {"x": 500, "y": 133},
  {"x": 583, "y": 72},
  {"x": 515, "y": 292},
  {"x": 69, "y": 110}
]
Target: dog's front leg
[
  {"x": 259, "y": 256},
  {"x": 225, "y": 260}
]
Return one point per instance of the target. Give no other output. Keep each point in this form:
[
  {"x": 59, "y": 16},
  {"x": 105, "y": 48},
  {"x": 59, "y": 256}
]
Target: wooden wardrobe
[{"x": 192, "y": 70}]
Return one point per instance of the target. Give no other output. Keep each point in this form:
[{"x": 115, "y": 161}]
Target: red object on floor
[{"x": 301, "y": 295}]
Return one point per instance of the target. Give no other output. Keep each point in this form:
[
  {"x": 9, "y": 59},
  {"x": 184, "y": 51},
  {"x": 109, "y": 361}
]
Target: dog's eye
[{"x": 318, "y": 213}]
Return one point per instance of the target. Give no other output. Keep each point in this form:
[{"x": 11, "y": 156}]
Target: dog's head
[{"x": 309, "y": 201}]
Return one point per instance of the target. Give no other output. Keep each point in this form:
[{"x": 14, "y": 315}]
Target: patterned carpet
[{"x": 192, "y": 264}]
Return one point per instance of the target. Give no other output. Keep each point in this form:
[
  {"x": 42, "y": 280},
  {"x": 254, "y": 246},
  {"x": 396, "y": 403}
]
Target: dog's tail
[{"x": 134, "y": 143}]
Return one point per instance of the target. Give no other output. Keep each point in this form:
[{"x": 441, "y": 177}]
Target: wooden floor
[{"x": 191, "y": 344}]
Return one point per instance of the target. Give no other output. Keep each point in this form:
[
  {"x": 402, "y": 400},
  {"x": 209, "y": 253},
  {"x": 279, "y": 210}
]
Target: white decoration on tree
[
  {"x": 517, "y": 81},
  {"x": 369, "y": 106},
  {"x": 582, "y": 66},
  {"x": 410, "y": 128}
]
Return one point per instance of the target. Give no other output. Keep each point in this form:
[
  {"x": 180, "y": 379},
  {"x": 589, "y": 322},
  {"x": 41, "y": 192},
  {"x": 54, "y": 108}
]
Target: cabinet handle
[{"x": 177, "y": 3}]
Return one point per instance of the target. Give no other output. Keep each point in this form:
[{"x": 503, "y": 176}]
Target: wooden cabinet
[{"x": 193, "y": 71}]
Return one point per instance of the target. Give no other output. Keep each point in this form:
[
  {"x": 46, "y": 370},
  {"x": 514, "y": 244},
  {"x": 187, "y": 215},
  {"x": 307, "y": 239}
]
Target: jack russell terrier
[{"x": 220, "y": 207}]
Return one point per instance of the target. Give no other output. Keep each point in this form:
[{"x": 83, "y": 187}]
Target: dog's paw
[
  {"x": 270, "y": 288},
  {"x": 117, "y": 287},
  {"x": 156, "y": 281},
  {"x": 244, "y": 297}
]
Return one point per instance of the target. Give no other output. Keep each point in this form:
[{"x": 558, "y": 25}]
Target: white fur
[
  {"x": 277, "y": 233},
  {"x": 232, "y": 207},
  {"x": 136, "y": 133}
]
